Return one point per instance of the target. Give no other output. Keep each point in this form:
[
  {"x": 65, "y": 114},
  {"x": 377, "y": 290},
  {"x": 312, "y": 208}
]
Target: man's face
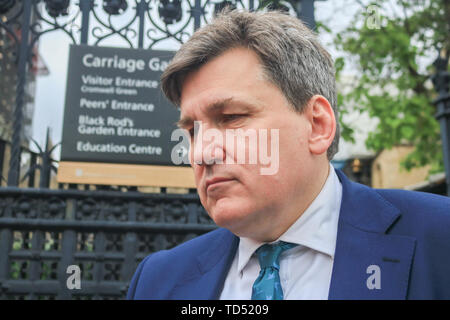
[{"x": 230, "y": 93}]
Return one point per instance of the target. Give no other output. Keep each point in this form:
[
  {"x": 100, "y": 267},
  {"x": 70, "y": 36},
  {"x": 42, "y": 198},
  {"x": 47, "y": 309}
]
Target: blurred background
[{"x": 391, "y": 60}]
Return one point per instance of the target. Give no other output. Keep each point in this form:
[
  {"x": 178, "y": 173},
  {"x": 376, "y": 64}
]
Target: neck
[{"x": 298, "y": 206}]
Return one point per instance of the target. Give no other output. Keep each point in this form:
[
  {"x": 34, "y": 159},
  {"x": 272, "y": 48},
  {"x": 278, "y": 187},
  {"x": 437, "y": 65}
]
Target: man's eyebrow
[
  {"x": 184, "y": 122},
  {"x": 214, "y": 107}
]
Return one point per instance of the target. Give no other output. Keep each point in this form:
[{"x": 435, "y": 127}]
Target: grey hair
[{"x": 291, "y": 57}]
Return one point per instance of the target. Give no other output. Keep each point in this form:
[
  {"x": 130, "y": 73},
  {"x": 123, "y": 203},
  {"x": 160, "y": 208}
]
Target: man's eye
[{"x": 231, "y": 117}]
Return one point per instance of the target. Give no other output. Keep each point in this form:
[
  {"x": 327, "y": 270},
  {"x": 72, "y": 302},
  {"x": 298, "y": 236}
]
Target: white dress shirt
[{"x": 305, "y": 270}]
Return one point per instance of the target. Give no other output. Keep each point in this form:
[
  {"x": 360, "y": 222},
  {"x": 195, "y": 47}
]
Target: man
[{"x": 300, "y": 229}]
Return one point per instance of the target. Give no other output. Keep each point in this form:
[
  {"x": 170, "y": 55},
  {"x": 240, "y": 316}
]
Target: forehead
[{"x": 231, "y": 78}]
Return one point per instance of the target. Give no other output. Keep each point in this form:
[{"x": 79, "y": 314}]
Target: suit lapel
[
  {"x": 369, "y": 263},
  {"x": 213, "y": 266}
]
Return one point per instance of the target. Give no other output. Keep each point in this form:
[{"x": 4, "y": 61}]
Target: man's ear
[{"x": 323, "y": 124}]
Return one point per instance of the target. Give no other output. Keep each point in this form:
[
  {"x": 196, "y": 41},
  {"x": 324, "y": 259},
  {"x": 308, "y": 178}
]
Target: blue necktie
[{"x": 268, "y": 286}]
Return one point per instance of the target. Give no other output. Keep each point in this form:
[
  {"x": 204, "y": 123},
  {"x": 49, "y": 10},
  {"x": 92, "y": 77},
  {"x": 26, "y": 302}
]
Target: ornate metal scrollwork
[
  {"x": 170, "y": 11},
  {"x": 112, "y": 271},
  {"x": 224, "y": 4},
  {"x": 24, "y": 207},
  {"x": 175, "y": 212},
  {"x": 57, "y": 17},
  {"x": 152, "y": 21},
  {"x": 53, "y": 208},
  {"x": 150, "y": 211},
  {"x": 6, "y": 5},
  {"x": 56, "y": 8},
  {"x": 88, "y": 209},
  {"x": 146, "y": 243},
  {"x": 105, "y": 27},
  {"x": 115, "y": 7},
  {"x": 114, "y": 242},
  {"x": 117, "y": 211}
]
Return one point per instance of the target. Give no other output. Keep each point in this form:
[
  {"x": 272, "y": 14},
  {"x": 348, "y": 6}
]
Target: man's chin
[{"x": 230, "y": 218}]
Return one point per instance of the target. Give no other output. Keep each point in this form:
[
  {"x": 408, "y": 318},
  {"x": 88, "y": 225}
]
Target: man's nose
[{"x": 208, "y": 147}]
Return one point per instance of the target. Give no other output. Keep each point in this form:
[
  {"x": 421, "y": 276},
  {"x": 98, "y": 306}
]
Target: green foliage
[
  {"x": 392, "y": 45},
  {"x": 19, "y": 270}
]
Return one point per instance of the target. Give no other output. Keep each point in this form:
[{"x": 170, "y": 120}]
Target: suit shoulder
[
  {"x": 184, "y": 254},
  {"x": 190, "y": 248},
  {"x": 415, "y": 201},
  {"x": 423, "y": 214},
  {"x": 161, "y": 271}
]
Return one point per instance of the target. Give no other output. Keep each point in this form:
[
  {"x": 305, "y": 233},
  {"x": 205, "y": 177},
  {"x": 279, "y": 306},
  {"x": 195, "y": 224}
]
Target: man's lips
[{"x": 216, "y": 180}]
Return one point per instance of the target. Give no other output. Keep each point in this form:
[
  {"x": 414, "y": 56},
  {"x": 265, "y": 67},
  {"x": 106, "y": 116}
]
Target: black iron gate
[{"x": 105, "y": 233}]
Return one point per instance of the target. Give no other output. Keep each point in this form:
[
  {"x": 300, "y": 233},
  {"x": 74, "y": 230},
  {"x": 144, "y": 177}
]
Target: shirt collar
[{"x": 316, "y": 228}]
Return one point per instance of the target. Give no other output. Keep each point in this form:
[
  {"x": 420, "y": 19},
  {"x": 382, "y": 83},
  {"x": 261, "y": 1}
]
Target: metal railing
[{"x": 104, "y": 233}]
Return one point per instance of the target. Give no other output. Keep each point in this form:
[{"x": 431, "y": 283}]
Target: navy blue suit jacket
[{"x": 406, "y": 234}]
